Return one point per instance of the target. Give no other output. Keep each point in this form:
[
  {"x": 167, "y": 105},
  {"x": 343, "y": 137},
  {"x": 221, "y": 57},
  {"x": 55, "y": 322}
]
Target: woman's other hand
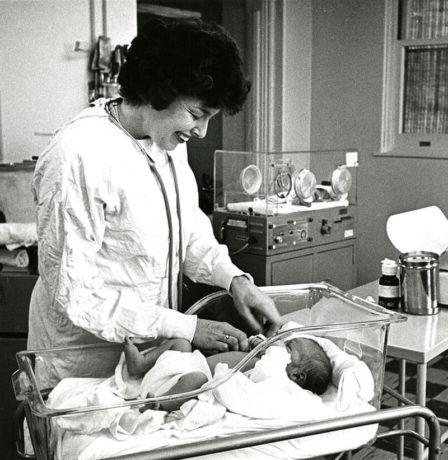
[
  {"x": 270, "y": 329},
  {"x": 219, "y": 337},
  {"x": 248, "y": 299}
]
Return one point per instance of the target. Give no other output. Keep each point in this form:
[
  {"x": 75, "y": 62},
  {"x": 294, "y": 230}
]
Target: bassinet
[{"x": 357, "y": 326}]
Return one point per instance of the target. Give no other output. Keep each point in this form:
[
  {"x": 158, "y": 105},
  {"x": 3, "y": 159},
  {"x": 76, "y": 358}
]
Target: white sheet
[
  {"x": 237, "y": 405},
  {"x": 152, "y": 429},
  {"x": 72, "y": 445}
]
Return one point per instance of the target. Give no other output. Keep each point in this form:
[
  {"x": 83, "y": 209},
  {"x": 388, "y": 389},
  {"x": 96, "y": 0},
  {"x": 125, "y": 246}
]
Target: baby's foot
[
  {"x": 155, "y": 405},
  {"x": 134, "y": 359}
]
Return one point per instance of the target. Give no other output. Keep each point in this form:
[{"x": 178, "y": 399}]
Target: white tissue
[{"x": 424, "y": 229}]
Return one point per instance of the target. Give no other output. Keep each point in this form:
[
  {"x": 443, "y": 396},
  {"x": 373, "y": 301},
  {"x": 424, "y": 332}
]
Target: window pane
[
  {"x": 425, "y": 108},
  {"x": 423, "y": 19}
]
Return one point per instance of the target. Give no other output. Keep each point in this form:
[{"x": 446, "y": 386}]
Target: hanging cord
[
  {"x": 250, "y": 239},
  {"x": 241, "y": 249},
  {"x": 151, "y": 163},
  {"x": 179, "y": 217}
]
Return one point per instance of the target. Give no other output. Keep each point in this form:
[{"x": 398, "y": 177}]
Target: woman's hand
[
  {"x": 248, "y": 299},
  {"x": 219, "y": 337}
]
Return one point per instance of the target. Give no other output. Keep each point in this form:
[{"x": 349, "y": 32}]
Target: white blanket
[{"x": 238, "y": 405}]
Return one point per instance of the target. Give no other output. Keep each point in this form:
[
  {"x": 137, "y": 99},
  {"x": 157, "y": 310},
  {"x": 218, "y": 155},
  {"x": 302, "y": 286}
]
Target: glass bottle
[{"x": 389, "y": 285}]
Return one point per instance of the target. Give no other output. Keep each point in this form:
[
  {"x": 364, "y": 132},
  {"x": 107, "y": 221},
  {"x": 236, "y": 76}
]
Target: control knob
[{"x": 325, "y": 228}]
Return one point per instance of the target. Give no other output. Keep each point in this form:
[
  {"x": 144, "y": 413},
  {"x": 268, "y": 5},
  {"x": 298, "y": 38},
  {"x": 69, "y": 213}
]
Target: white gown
[{"x": 103, "y": 239}]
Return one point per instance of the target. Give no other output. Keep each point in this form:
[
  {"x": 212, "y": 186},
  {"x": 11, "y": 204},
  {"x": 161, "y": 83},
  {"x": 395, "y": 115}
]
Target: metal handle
[{"x": 19, "y": 438}]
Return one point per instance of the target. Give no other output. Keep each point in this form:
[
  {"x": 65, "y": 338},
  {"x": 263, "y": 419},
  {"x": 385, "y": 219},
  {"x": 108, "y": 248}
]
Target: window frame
[{"x": 393, "y": 141}]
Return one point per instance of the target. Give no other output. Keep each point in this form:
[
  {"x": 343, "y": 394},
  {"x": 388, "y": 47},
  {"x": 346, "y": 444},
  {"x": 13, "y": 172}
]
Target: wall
[
  {"x": 36, "y": 39},
  {"x": 43, "y": 82},
  {"x": 347, "y": 83},
  {"x": 121, "y": 20},
  {"x": 297, "y": 44},
  {"x": 233, "y": 128}
]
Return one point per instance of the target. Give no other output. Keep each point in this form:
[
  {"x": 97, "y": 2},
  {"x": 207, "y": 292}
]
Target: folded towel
[
  {"x": 16, "y": 258},
  {"x": 14, "y": 235}
]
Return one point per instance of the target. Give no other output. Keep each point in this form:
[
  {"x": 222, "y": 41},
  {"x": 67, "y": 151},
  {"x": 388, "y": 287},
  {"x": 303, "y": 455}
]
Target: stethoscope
[{"x": 111, "y": 107}]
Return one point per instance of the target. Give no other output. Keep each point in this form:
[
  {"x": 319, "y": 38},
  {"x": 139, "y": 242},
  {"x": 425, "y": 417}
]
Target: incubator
[
  {"x": 286, "y": 217},
  {"x": 273, "y": 183}
]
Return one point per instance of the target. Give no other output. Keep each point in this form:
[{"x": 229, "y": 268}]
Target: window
[{"x": 415, "y": 100}]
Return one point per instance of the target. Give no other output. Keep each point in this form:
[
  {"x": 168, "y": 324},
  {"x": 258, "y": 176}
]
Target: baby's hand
[
  {"x": 255, "y": 340},
  {"x": 272, "y": 328}
]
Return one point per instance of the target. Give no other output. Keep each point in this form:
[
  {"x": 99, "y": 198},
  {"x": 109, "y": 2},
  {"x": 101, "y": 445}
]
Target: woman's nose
[{"x": 200, "y": 131}]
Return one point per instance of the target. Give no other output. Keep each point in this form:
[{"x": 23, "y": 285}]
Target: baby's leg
[
  {"x": 188, "y": 382},
  {"x": 195, "y": 380},
  {"x": 139, "y": 363},
  {"x": 151, "y": 405}
]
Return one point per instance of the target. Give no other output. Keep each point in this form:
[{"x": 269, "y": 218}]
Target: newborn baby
[{"x": 309, "y": 366}]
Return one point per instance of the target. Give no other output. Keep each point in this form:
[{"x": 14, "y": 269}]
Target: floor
[{"x": 437, "y": 401}]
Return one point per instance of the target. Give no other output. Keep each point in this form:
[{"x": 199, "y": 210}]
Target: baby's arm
[{"x": 139, "y": 363}]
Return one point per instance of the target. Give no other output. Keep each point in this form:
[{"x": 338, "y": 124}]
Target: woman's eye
[{"x": 194, "y": 116}]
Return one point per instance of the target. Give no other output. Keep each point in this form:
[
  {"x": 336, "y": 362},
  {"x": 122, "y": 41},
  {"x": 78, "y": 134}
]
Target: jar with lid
[{"x": 389, "y": 285}]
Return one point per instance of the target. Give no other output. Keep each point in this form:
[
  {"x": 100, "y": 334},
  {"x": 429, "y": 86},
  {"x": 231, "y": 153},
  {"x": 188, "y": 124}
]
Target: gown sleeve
[{"x": 206, "y": 260}]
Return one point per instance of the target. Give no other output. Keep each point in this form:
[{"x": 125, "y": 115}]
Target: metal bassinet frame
[{"x": 38, "y": 416}]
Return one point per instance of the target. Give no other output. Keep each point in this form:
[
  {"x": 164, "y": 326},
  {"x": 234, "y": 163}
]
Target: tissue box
[{"x": 443, "y": 287}]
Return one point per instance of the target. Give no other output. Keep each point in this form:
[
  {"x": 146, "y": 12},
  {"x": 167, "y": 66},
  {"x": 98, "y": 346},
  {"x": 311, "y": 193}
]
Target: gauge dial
[
  {"x": 283, "y": 184},
  {"x": 250, "y": 179},
  {"x": 305, "y": 185},
  {"x": 341, "y": 180}
]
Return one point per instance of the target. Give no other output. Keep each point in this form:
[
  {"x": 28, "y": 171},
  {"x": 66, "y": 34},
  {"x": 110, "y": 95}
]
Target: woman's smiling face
[{"x": 183, "y": 119}]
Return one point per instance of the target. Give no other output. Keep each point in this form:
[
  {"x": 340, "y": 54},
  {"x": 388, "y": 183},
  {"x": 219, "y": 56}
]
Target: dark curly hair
[
  {"x": 184, "y": 58},
  {"x": 315, "y": 368}
]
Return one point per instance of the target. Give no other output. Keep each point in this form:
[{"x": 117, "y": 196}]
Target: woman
[{"x": 113, "y": 189}]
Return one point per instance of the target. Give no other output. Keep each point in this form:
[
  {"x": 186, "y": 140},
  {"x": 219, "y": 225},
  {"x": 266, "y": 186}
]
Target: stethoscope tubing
[{"x": 159, "y": 179}]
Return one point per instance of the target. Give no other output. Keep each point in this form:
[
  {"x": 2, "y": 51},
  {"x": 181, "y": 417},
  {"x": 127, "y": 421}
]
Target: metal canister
[{"x": 419, "y": 277}]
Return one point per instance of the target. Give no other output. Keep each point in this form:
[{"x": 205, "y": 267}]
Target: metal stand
[{"x": 252, "y": 439}]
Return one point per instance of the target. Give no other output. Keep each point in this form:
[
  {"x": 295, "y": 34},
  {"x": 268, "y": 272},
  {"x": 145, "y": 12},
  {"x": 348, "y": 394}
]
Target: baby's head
[{"x": 310, "y": 367}]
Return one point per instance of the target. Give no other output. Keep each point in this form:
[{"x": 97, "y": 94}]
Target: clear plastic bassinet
[{"x": 357, "y": 326}]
